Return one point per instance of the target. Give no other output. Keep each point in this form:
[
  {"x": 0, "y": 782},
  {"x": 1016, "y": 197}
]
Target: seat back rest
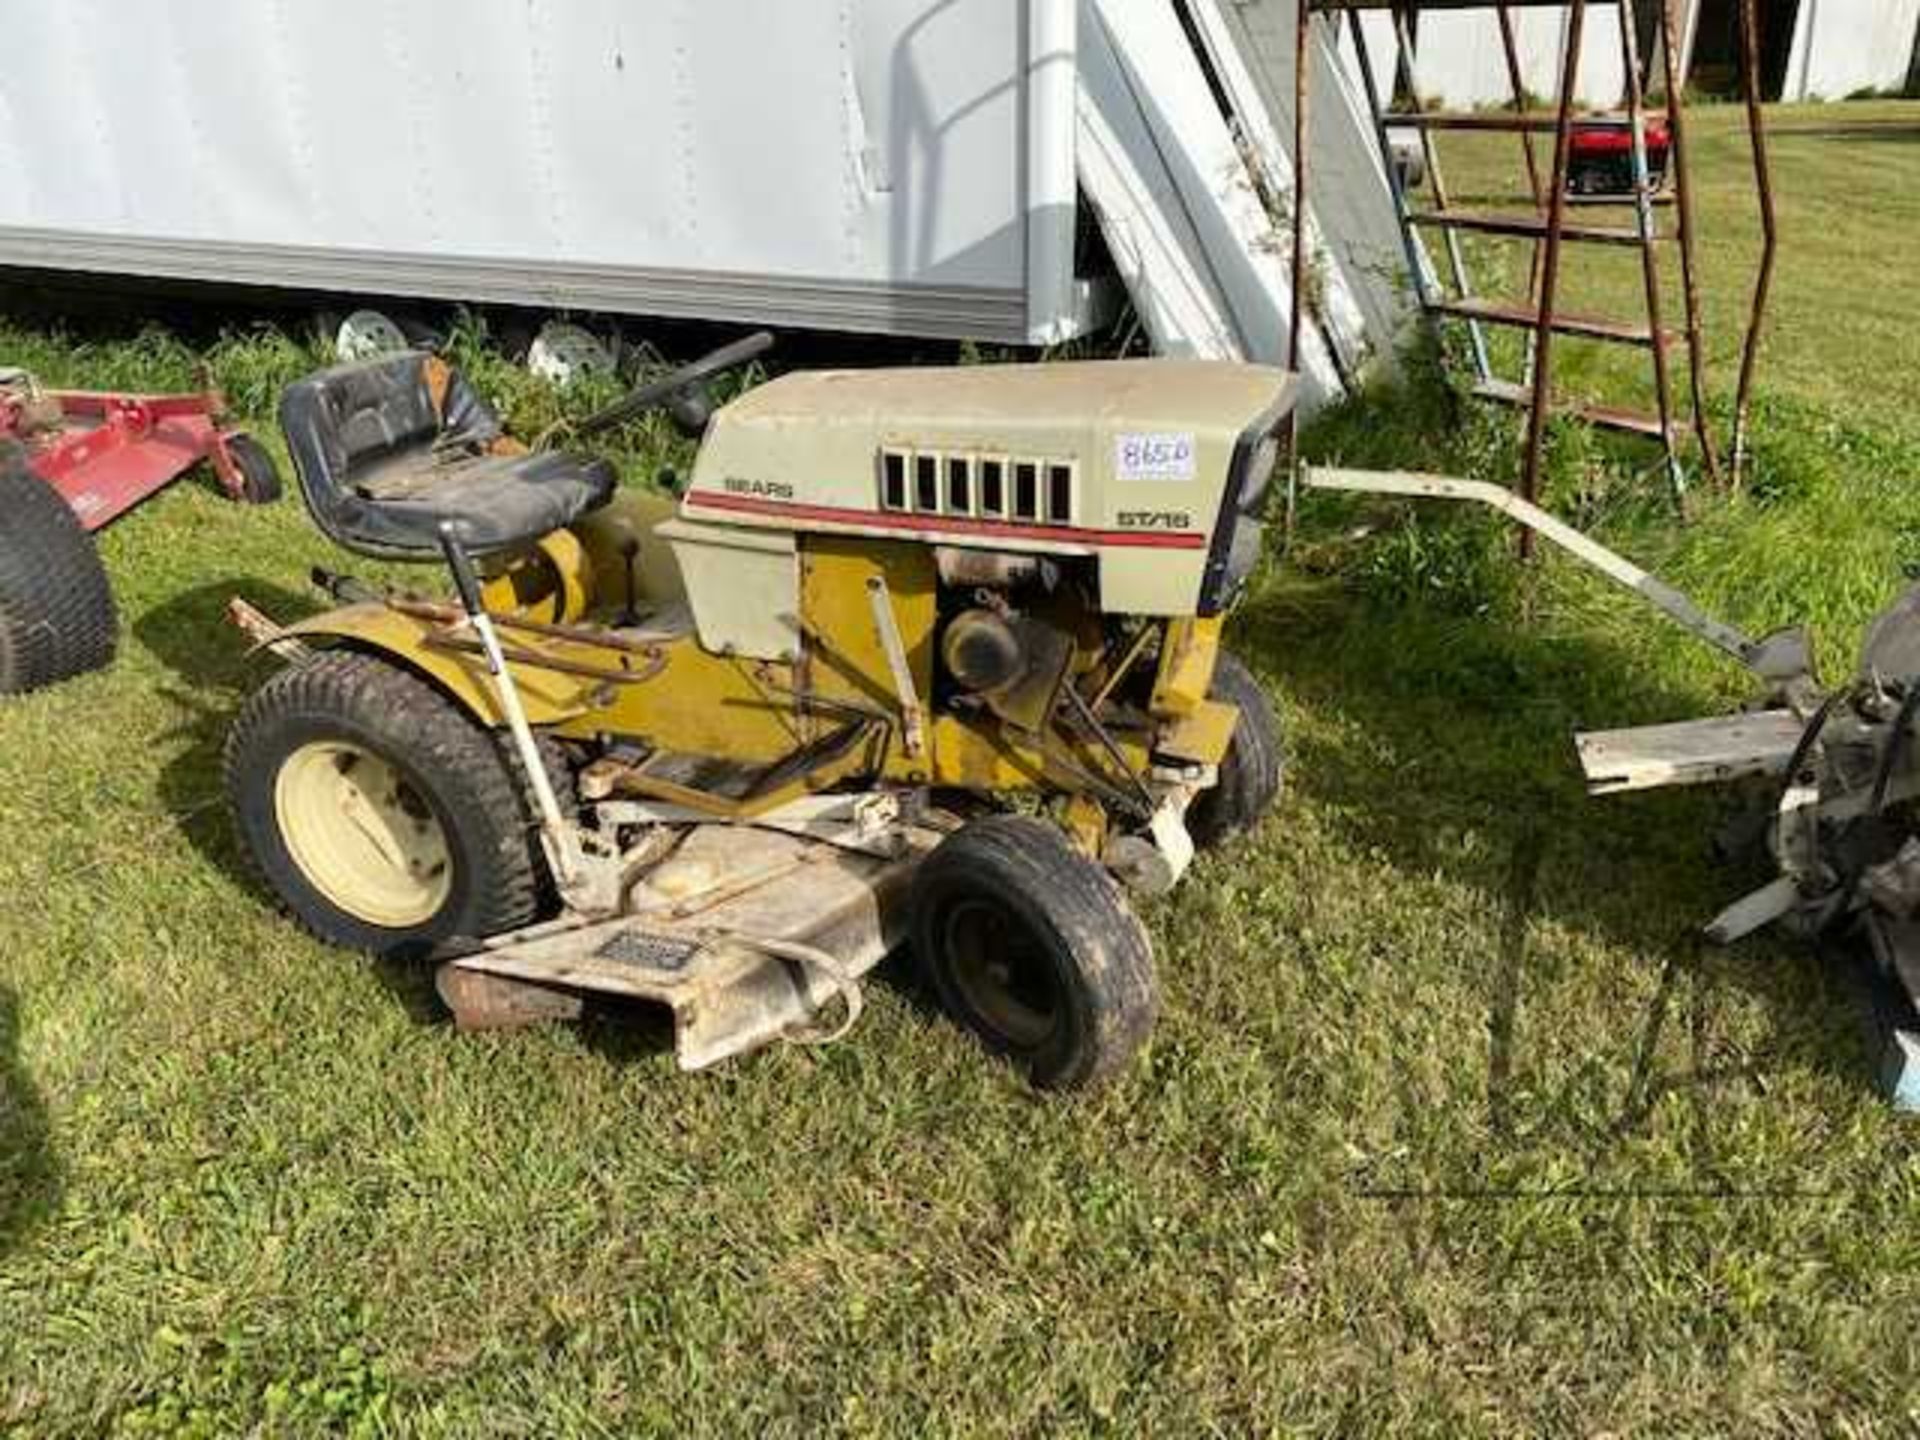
[
  {"x": 465, "y": 415},
  {"x": 341, "y": 422}
]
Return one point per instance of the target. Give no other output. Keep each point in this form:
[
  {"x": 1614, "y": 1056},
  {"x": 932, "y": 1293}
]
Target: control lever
[{"x": 556, "y": 838}]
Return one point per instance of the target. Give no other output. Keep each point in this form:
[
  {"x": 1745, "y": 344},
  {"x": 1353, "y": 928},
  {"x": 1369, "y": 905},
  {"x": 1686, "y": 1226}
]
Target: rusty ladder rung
[
  {"x": 1606, "y": 417},
  {"x": 1527, "y": 317},
  {"x": 1525, "y": 227},
  {"x": 1662, "y": 196},
  {"x": 1543, "y": 122}
]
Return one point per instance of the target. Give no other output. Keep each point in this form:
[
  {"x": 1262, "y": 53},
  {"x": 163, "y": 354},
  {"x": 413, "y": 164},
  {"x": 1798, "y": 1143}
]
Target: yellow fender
[
  {"x": 550, "y": 699},
  {"x": 554, "y": 580}
]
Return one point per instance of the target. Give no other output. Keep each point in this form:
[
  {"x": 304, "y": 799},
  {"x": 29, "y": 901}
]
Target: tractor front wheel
[
  {"x": 56, "y": 607},
  {"x": 1030, "y": 945},
  {"x": 1251, "y": 770},
  {"x": 382, "y": 816}
]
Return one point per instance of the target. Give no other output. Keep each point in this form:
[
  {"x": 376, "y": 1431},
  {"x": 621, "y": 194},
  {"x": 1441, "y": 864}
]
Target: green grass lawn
[
  {"x": 1850, "y": 238},
  {"x": 1451, "y": 1122}
]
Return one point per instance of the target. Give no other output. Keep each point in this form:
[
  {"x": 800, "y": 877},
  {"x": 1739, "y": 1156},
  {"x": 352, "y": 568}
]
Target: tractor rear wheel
[
  {"x": 56, "y": 608},
  {"x": 382, "y": 816},
  {"x": 1251, "y": 770},
  {"x": 1030, "y": 945}
]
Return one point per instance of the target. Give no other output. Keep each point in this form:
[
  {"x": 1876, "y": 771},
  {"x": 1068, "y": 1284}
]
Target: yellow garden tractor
[{"x": 927, "y": 656}]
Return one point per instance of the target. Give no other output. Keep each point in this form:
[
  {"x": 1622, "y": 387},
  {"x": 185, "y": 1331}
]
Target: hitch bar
[{"x": 1780, "y": 658}]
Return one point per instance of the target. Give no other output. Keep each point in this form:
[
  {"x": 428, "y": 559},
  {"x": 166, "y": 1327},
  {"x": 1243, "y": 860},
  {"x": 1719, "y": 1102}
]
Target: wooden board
[{"x": 1690, "y": 752}]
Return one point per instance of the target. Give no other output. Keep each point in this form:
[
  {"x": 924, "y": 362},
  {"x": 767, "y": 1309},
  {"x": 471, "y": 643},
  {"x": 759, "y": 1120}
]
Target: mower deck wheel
[
  {"x": 56, "y": 608},
  {"x": 382, "y": 816},
  {"x": 1255, "y": 762},
  {"x": 259, "y": 476},
  {"x": 1031, "y": 946}
]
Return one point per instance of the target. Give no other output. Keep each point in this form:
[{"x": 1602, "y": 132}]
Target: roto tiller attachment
[
  {"x": 1839, "y": 773},
  {"x": 1837, "y": 769}
]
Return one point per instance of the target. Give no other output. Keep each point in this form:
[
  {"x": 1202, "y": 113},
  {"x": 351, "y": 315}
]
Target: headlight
[
  {"x": 1243, "y": 555},
  {"x": 1235, "y": 545}
]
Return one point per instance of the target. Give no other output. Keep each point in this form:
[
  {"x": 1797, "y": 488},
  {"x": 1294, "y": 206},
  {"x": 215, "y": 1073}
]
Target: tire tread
[
  {"x": 1254, "y": 767},
  {"x": 1110, "y": 947},
  {"x": 57, "y": 616},
  {"x": 347, "y": 685},
  {"x": 259, "y": 473}
]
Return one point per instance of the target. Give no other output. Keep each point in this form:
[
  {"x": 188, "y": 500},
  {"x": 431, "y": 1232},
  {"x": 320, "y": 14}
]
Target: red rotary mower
[{"x": 70, "y": 462}]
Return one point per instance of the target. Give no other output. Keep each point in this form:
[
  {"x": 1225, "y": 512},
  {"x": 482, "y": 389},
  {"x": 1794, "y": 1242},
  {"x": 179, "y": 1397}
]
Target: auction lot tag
[{"x": 1165, "y": 455}]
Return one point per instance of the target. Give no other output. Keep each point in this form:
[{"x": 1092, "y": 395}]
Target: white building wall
[
  {"x": 1844, "y": 46},
  {"x": 1461, "y": 61},
  {"x": 1461, "y": 64}
]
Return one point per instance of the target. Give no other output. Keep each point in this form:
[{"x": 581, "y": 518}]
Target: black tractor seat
[{"x": 388, "y": 449}]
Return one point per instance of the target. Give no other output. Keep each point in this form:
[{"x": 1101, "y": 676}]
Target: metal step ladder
[{"x": 1540, "y": 217}]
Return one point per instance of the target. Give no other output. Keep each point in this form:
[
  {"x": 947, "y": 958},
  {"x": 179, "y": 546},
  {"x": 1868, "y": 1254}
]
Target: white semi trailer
[
  {"x": 910, "y": 167},
  {"x": 885, "y": 165}
]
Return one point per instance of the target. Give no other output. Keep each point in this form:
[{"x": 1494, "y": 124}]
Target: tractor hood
[
  {"x": 1154, "y": 466},
  {"x": 987, "y": 400}
]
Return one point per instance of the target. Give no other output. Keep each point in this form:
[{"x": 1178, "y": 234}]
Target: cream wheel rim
[{"x": 363, "y": 836}]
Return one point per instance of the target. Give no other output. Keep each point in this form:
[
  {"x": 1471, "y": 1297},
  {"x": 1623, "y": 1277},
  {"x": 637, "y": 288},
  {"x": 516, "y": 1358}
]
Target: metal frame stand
[{"x": 1549, "y": 230}]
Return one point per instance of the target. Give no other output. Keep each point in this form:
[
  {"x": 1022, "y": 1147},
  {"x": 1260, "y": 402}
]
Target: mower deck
[
  {"x": 745, "y": 933},
  {"x": 72, "y": 461},
  {"x": 113, "y": 451}
]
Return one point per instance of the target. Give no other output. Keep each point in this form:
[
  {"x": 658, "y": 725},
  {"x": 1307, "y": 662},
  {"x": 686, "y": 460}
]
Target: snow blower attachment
[
  {"x": 928, "y": 655},
  {"x": 1834, "y": 773}
]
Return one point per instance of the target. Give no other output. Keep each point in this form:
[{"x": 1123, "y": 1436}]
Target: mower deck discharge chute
[{"x": 928, "y": 655}]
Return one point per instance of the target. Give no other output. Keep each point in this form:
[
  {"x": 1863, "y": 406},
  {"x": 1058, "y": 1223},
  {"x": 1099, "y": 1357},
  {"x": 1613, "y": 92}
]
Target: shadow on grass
[
  {"x": 1443, "y": 744},
  {"x": 624, "y": 1030},
  {"x": 217, "y": 669},
  {"x": 1449, "y": 715},
  {"x": 29, "y": 1170},
  {"x": 1873, "y": 131}
]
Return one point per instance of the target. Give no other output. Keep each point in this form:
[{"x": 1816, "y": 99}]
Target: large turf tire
[
  {"x": 370, "y": 713},
  {"x": 1032, "y": 947},
  {"x": 56, "y": 608},
  {"x": 1251, "y": 771}
]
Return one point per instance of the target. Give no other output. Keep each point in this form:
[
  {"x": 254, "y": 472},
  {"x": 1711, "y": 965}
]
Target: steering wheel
[{"x": 678, "y": 390}]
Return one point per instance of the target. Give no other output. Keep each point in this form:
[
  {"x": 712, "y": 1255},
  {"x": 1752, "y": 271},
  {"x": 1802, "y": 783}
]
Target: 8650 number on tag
[{"x": 1162, "y": 455}]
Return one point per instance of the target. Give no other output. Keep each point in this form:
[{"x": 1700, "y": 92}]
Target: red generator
[
  {"x": 70, "y": 462},
  {"x": 1600, "y": 162}
]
